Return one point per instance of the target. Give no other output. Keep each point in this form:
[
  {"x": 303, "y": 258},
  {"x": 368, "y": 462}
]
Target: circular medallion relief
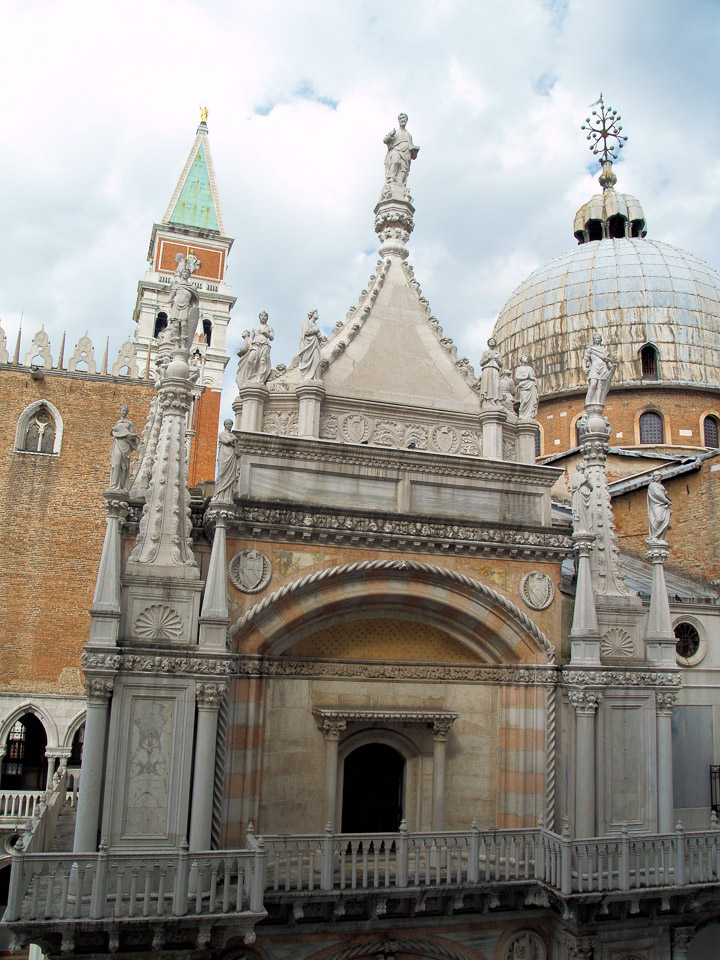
[
  {"x": 537, "y": 590},
  {"x": 355, "y": 429},
  {"x": 444, "y": 438},
  {"x": 250, "y": 571},
  {"x": 526, "y": 945}
]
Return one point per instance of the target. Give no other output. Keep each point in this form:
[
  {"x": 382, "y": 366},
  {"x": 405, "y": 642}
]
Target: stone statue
[
  {"x": 658, "y": 506},
  {"x": 184, "y": 311},
  {"x": 309, "y": 351},
  {"x": 203, "y": 114},
  {"x": 527, "y": 389},
  {"x": 125, "y": 440},
  {"x": 507, "y": 391},
  {"x": 582, "y": 490},
  {"x": 400, "y": 151},
  {"x": 599, "y": 367},
  {"x": 490, "y": 365},
  {"x": 254, "y": 365},
  {"x": 227, "y": 465}
]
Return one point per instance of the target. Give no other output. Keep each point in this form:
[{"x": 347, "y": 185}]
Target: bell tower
[{"x": 193, "y": 224}]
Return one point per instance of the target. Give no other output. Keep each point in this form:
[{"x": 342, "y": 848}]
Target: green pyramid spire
[{"x": 195, "y": 202}]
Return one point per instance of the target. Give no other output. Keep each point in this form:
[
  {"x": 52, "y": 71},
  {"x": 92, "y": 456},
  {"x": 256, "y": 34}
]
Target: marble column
[
  {"x": 209, "y": 697},
  {"x": 585, "y": 703},
  {"x": 665, "y": 807},
  {"x": 248, "y": 407},
  {"x": 98, "y": 690},
  {"x": 310, "y": 395},
  {"x": 441, "y": 728},
  {"x": 331, "y": 730}
]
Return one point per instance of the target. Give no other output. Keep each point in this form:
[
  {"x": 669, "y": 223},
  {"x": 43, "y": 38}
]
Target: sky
[{"x": 101, "y": 104}]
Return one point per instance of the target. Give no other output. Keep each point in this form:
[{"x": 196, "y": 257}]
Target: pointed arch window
[
  {"x": 39, "y": 429},
  {"x": 711, "y": 432},
  {"x": 652, "y": 429}
]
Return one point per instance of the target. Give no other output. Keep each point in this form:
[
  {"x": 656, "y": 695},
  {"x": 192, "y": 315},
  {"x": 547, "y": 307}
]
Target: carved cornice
[
  {"x": 440, "y": 720},
  {"x": 540, "y": 675},
  {"x": 621, "y": 678},
  {"x": 148, "y": 663},
  {"x": 401, "y": 533}
]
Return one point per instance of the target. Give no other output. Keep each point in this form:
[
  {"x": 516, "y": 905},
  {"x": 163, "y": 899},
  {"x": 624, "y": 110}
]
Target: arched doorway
[
  {"x": 24, "y": 765},
  {"x": 373, "y": 789}
]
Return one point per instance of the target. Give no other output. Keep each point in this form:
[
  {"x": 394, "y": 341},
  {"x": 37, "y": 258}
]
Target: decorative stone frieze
[
  {"x": 537, "y": 590},
  {"x": 250, "y": 571},
  {"x": 146, "y": 663},
  {"x": 623, "y": 678},
  {"x": 98, "y": 690}
]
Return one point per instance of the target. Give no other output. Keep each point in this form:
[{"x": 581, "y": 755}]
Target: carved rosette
[
  {"x": 98, "y": 690},
  {"x": 585, "y": 702},
  {"x": 210, "y": 695},
  {"x": 664, "y": 702}
]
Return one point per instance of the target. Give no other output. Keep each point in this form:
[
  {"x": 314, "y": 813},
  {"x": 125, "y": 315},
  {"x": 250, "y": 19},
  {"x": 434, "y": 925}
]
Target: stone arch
[
  {"x": 26, "y": 416},
  {"x": 72, "y": 728},
  {"x": 424, "y": 948},
  {"x": 466, "y": 609},
  {"x": 43, "y": 716}
]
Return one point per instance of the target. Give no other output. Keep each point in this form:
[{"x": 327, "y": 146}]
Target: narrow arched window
[
  {"x": 711, "y": 432},
  {"x": 648, "y": 361},
  {"x": 207, "y": 330},
  {"x": 160, "y": 324},
  {"x": 651, "y": 428},
  {"x": 39, "y": 429},
  {"x": 538, "y": 444}
]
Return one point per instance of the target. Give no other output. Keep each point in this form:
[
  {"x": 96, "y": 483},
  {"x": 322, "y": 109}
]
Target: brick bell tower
[{"x": 193, "y": 224}]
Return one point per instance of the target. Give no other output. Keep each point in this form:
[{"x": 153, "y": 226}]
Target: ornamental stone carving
[
  {"x": 585, "y": 701},
  {"x": 537, "y": 590},
  {"x": 666, "y": 701},
  {"x": 250, "y": 571},
  {"x": 158, "y": 622},
  {"x": 328, "y": 428},
  {"x": 525, "y": 945},
  {"x": 282, "y": 422},
  {"x": 98, "y": 690},
  {"x": 616, "y": 644},
  {"x": 444, "y": 439},
  {"x": 210, "y": 694},
  {"x": 151, "y": 664},
  {"x": 355, "y": 428},
  {"x": 471, "y": 444},
  {"x": 331, "y": 727}
]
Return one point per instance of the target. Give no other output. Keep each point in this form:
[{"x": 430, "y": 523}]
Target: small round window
[{"x": 689, "y": 648}]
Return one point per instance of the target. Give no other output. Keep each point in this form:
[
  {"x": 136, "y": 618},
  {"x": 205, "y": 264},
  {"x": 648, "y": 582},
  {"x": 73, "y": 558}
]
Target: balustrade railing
[
  {"x": 104, "y": 886},
  {"x": 149, "y": 883},
  {"x": 17, "y": 805}
]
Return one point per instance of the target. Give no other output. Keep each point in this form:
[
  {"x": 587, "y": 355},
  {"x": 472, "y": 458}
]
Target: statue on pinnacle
[{"x": 401, "y": 151}]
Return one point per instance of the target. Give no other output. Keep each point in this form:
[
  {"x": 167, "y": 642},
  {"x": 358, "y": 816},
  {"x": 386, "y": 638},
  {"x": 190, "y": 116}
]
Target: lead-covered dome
[{"x": 637, "y": 293}]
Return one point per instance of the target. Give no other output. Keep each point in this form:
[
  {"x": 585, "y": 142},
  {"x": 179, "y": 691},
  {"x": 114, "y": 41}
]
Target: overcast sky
[{"x": 101, "y": 106}]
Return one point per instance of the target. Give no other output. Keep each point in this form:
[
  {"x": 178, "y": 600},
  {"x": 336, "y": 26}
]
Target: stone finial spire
[{"x": 394, "y": 211}]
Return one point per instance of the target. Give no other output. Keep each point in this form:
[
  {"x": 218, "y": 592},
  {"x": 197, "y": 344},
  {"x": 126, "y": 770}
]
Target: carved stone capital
[
  {"x": 175, "y": 399},
  {"x": 117, "y": 509},
  {"x": 210, "y": 695},
  {"x": 681, "y": 939},
  {"x": 441, "y": 727},
  {"x": 585, "y": 702},
  {"x": 665, "y": 702},
  {"x": 98, "y": 690},
  {"x": 657, "y": 550},
  {"x": 331, "y": 728}
]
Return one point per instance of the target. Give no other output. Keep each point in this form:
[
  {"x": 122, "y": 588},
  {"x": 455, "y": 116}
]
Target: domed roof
[{"x": 634, "y": 292}]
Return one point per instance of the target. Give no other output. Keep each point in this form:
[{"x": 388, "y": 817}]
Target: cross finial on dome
[{"x": 604, "y": 133}]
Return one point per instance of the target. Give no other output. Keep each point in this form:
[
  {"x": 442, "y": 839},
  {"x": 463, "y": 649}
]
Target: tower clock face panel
[{"x": 212, "y": 260}]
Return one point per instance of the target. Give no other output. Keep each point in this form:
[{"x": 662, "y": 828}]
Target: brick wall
[{"x": 52, "y": 523}]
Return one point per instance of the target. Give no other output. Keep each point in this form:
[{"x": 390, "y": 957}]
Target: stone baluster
[
  {"x": 331, "y": 730},
  {"x": 98, "y": 690},
  {"x": 585, "y": 703},
  {"x": 664, "y": 703},
  {"x": 209, "y": 697},
  {"x": 441, "y": 728}
]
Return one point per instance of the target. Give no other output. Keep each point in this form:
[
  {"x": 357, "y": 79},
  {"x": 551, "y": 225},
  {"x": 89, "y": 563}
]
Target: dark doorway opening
[
  {"x": 373, "y": 783},
  {"x": 24, "y": 765}
]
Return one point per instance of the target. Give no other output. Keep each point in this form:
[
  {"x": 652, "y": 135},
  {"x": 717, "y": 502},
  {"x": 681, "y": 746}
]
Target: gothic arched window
[
  {"x": 652, "y": 429},
  {"x": 39, "y": 429},
  {"x": 711, "y": 432}
]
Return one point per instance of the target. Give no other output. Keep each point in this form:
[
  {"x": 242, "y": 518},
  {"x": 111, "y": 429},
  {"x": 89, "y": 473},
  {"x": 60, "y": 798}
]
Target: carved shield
[
  {"x": 250, "y": 571},
  {"x": 537, "y": 590},
  {"x": 355, "y": 428}
]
